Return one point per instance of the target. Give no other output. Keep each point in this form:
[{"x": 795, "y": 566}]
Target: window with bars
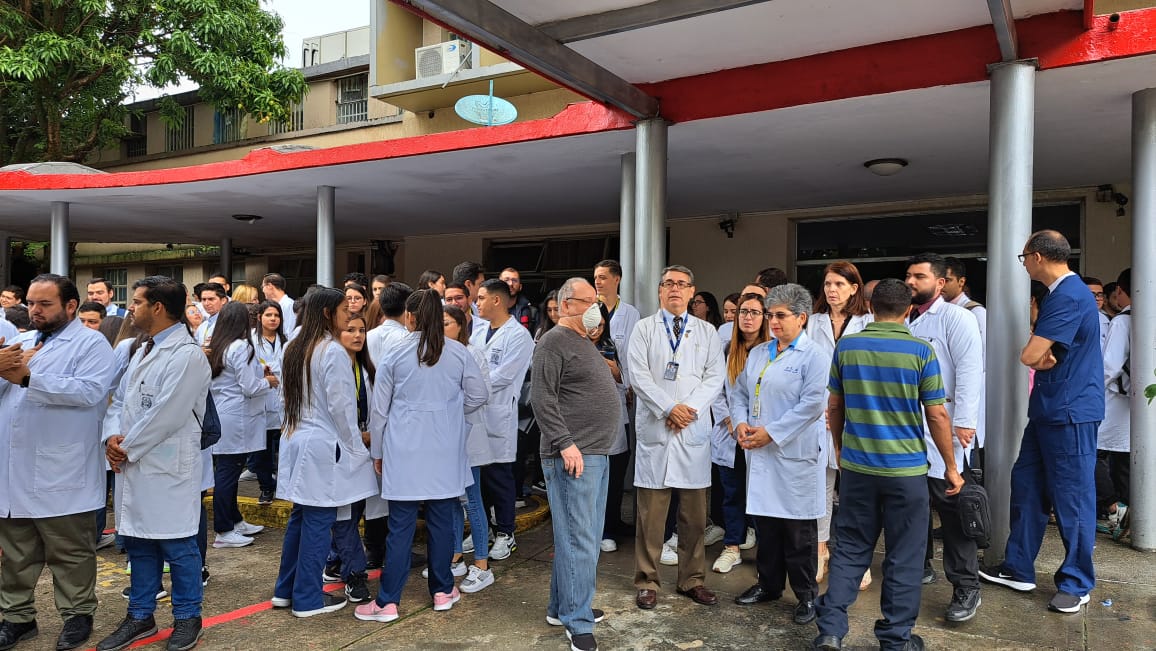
[
  {"x": 227, "y": 125},
  {"x": 296, "y": 120},
  {"x": 175, "y": 271},
  {"x": 353, "y": 99},
  {"x": 136, "y": 143},
  {"x": 119, "y": 280},
  {"x": 179, "y": 137}
]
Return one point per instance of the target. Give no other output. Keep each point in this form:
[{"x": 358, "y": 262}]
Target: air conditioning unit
[{"x": 442, "y": 59}]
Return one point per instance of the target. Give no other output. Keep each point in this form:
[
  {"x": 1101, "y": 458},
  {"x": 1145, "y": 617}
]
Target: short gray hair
[
  {"x": 796, "y": 297},
  {"x": 566, "y": 291},
  {"x": 680, "y": 269}
]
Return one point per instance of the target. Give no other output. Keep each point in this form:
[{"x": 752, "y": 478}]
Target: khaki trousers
[
  {"x": 649, "y": 525},
  {"x": 66, "y": 545}
]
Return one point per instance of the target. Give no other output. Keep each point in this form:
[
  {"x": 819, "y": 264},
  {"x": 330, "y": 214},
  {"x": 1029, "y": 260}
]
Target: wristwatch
[{"x": 24, "y": 381}]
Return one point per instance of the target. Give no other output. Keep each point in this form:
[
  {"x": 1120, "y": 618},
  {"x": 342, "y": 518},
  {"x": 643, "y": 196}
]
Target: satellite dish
[{"x": 486, "y": 109}]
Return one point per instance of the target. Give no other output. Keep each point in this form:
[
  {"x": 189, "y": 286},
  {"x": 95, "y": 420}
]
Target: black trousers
[
  {"x": 498, "y": 492},
  {"x": 788, "y": 551},
  {"x": 960, "y": 554},
  {"x": 613, "y": 527},
  {"x": 1113, "y": 479}
]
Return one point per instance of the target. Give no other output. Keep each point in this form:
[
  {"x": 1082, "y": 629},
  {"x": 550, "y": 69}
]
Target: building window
[
  {"x": 119, "y": 280},
  {"x": 136, "y": 143},
  {"x": 180, "y": 137},
  {"x": 227, "y": 125},
  {"x": 176, "y": 272},
  {"x": 544, "y": 264},
  {"x": 296, "y": 120},
  {"x": 353, "y": 99}
]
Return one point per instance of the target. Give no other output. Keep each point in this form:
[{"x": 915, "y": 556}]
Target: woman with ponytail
[
  {"x": 323, "y": 464},
  {"x": 426, "y": 384}
]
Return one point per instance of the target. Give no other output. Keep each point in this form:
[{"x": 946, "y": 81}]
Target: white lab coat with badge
[
  {"x": 418, "y": 421},
  {"x": 508, "y": 353},
  {"x": 158, "y": 407},
  {"x": 786, "y": 478},
  {"x": 239, "y": 394},
  {"x": 51, "y": 460},
  {"x": 954, "y": 334},
  {"x": 1115, "y": 434},
  {"x": 383, "y": 338},
  {"x": 324, "y": 462},
  {"x": 663, "y": 458},
  {"x": 822, "y": 333},
  {"x": 270, "y": 354}
]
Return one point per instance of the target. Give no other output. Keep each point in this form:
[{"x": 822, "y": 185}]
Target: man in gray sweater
[{"x": 576, "y": 403}]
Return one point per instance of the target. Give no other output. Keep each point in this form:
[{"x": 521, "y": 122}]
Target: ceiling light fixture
[
  {"x": 885, "y": 166},
  {"x": 252, "y": 219}
]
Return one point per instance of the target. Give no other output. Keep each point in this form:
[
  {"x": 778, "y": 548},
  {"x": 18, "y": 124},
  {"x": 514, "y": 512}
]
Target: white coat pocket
[
  {"x": 163, "y": 459},
  {"x": 803, "y": 447},
  {"x": 52, "y": 464}
]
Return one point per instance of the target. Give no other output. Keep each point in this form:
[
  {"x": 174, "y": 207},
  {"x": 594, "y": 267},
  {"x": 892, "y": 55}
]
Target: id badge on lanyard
[{"x": 671, "y": 371}]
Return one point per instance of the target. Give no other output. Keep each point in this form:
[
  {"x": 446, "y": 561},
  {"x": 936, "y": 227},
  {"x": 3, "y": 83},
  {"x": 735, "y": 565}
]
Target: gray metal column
[
  {"x": 650, "y": 211},
  {"x": 325, "y": 238},
  {"x": 626, "y": 229},
  {"x": 1009, "y": 225},
  {"x": 58, "y": 263},
  {"x": 227, "y": 258},
  {"x": 1143, "y": 502}
]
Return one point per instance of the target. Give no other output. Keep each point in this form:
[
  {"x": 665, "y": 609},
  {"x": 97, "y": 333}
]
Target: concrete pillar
[
  {"x": 58, "y": 262},
  {"x": 227, "y": 258},
  {"x": 626, "y": 229},
  {"x": 650, "y": 212},
  {"x": 1143, "y": 345},
  {"x": 1009, "y": 226},
  {"x": 326, "y": 244}
]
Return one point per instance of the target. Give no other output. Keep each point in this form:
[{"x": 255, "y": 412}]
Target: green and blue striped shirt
[{"x": 885, "y": 376}]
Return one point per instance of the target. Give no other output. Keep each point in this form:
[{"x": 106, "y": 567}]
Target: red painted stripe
[{"x": 224, "y": 618}]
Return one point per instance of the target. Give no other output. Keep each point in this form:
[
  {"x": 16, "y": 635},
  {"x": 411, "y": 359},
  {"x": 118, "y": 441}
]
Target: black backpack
[
  {"x": 210, "y": 425},
  {"x": 974, "y": 512}
]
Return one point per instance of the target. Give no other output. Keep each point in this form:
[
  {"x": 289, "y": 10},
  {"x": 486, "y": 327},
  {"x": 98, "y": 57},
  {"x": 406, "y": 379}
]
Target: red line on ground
[{"x": 225, "y": 618}]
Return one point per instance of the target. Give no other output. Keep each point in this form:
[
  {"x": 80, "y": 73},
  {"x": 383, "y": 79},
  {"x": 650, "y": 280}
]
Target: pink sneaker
[
  {"x": 443, "y": 601},
  {"x": 371, "y": 612}
]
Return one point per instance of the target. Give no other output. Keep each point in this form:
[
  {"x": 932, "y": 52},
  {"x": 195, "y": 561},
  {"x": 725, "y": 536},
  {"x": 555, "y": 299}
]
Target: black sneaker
[
  {"x": 129, "y": 631},
  {"x": 76, "y": 631},
  {"x": 929, "y": 575},
  {"x": 266, "y": 498},
  {"x": 998, "y": 576},
  {"x": 582, "y": 641},
  {"x": 329, "y": 603},
  {"x": 11, "y": 633},
  {"x": 1063, "y": 602},
  {"x": 964, "y": 603},
  {"x": 539, "y": 487},
  {"x": 332, "y": 573},
  {"x": 186, "y": 634},
  {"x": 356, "y": 588},
  {"x": 204, "y": 576},
  {"x": 373, "y": 562},
  {"x": 914, "y": 643}
]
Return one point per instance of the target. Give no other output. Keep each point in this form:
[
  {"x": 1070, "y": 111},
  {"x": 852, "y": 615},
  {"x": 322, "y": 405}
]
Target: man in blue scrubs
[{"x": 1056, "y": 467}]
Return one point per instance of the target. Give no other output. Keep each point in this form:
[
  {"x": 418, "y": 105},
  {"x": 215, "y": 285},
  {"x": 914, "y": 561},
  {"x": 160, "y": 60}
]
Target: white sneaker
[
  {"x": 714, "y": 534},
  {"x": 728, "y": 560},
  {"x": 608, "y": 545},
  {"x": 477, "y": 580},
  {"x": 457, "y": 569},
  {"x": 231, "y": 539},
  {"x": 247, "y": 528},
  {"x": 106, "y": 540},
  {"x": 248, "y": 475},
  {"x": 669, "y": 551},
  {"x": 751, "y": 540},
  {"x": 504, "y": 545}
]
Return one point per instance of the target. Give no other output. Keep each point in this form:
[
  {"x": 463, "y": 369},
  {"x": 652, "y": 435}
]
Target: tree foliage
[{"x": 68, "y": 66}]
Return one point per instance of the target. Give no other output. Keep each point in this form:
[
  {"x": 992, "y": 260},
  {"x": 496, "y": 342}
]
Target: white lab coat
[
  {"x": 477, "y": 441},
  {"x": 622, "y": 324},
  {"x": 205, "y": 330},
  {"x": 822, "y": 334},
  {"x": 1105, "y": 328},
  {"x": 722, "y": 444},
  {"x": 1116, "y": 429},
  {"x": 954, "y": 334},
  {"x": 664, "y": 459},
  {"x": 980, "y": 314},
  {"x": 383, "y": 338},
  {"x": 271, "y": 354},
  {"x": 324, "y": 461},
  {"x": 158, "y": 407},
  {"x": 418, "y": 421},
  {"x": 786, "y": 479},
  {"x": 239, "y": 394},
  {"x": 288, "y": 317},
  {"x": 508, "y": 353},
  {"x": 375, "y": 507},
  {"x": 726, "y": 332},
  {"x": 51, "y": 460},
  {"x": 7, "y": 330}
]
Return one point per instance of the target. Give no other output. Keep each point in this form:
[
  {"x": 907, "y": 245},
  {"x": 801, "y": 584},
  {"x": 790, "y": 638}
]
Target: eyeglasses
[
  {"x": 752, "y": 313},
  {"x": 586, "y": 301},
  {"x": 1022, "y": 256},
  {"x": 698, "y": 301},
  {"x": 779, "y": 316},
  {"x": 671, "y": 284},
  {"x": 1098, "y": 294}
]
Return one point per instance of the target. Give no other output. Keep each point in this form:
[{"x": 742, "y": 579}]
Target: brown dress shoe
[
  {"x": 646, "y": 599},
  {"x": 700, "y": 595}
]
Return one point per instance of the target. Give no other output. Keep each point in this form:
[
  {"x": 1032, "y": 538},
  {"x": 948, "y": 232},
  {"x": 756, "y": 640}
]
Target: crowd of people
[{"x": 800, "y": 425}]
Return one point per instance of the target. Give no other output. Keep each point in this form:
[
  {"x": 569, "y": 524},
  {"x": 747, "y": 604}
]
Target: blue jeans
[
  {"x": 479, "y": 521},
  {"x": 439, "y": 524},
  {"x": 900, "y": 508},
  {"x": 1056, "y": 471},
  {"x": 577, "y": 510},
  {"x": 263, "y": 463},
  {"x": 148, "y": 558},
  {"x": 346, "y": 544},
  {"x": 734, "y": 500},
  {"x": 226, "y": 473},
  {"x": 303, "y": 555}
]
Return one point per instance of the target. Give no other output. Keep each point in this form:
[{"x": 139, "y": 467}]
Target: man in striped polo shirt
[{"x": 883, "y": 383}]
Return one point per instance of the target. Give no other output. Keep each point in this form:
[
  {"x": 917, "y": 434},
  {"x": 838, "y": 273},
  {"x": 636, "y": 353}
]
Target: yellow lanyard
[
  {"x": 757, "y": 407},
  {"x": 357, "y": 376}
]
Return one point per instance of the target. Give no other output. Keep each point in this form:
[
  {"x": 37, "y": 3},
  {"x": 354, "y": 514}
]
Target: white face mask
[{"x": 592, "y": 317}]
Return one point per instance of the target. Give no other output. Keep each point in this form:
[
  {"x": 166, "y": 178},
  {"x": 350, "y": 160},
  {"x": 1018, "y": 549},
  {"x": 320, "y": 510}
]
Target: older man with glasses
[{"x": 676, "y": 368}]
